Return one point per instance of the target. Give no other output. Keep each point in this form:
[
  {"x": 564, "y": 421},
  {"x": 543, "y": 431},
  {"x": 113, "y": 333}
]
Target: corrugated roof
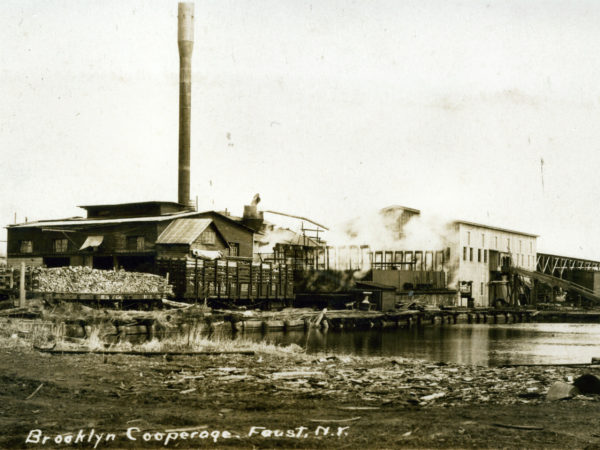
[
  {"x": 147, "y": 203},
  {"x": 183, "y": 231},
  {"x": 55, "y": 223}
]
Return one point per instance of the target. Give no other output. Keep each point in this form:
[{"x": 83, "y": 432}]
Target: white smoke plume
[
  {"x": 382, "y": 230},
  {"x": 391, "y": 229}
]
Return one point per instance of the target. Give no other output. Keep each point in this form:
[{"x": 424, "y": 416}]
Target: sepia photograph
[{"x": 299, "y": 224}]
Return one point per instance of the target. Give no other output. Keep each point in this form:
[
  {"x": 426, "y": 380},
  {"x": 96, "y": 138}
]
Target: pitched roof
[
  {"x": 183, "y": 231},
  {"x": 228, "y": 218}
]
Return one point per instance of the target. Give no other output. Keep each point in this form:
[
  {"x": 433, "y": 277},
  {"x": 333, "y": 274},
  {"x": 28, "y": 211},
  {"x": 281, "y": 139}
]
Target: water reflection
[{"x": 471, "y": 344}]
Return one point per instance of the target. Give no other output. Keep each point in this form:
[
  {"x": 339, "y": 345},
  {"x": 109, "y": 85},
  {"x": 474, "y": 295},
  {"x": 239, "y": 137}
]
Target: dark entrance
[
  {"x": 137, "y": 263},
  {"x": 103, "y": 262},
  {"x": 56, "y": 261}
]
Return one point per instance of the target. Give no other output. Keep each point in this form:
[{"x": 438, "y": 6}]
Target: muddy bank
[{"x": 370, "y": 402}]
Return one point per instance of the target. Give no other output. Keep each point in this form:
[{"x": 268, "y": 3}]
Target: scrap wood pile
[
  {"x": 94, "y": 281},
  {"x": 375, "y": 383}
]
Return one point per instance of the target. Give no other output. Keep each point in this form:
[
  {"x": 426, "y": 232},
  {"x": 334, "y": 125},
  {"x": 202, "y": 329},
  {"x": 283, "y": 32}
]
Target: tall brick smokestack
[{"x": 185, "y": 42}]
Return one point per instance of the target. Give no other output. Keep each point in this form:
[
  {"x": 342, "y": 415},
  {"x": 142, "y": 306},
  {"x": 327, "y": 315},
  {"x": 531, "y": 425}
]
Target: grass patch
[{"x": 20, "y": 333}]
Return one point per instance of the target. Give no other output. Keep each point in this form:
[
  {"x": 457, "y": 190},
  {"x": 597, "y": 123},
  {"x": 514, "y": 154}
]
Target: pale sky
[{"x": 328, "y": 109}]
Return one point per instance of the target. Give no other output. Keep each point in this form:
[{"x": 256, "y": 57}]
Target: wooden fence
[
  {"x": 10, "y": 279},
  {"x": 194, "y": 278}
]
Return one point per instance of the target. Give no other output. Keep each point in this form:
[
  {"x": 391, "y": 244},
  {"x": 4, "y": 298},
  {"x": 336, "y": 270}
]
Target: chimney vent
[{"x": 185, "y": 42}]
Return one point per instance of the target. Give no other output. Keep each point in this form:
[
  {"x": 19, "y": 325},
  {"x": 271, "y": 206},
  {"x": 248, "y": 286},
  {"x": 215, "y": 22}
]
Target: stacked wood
[{"x": 94, "y": 281}]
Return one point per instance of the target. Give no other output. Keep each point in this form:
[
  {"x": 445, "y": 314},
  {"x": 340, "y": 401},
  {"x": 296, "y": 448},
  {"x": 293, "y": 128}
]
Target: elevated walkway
[{"x": 553, "y": 281}]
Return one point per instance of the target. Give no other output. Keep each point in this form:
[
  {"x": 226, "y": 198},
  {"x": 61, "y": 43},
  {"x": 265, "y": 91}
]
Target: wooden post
[
  {"x": 204, "y": 290},
  {"x": 278, "y": 282},
  {"x": 227, "y": 294},
  {"x": 217, "y": 282},
  {"x": 250, "y": 284},
  {"x": 260, "y": 280},
  {"x": 270, "y": 283},
  {"x": 237, "y": 279},
  {"x": 22, "y": 286},
  {"x": 196, "y": 279},
  {"x": 285, "y": 282}
]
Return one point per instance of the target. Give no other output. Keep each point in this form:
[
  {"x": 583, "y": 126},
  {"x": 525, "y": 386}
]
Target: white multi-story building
[{"x": 481, "y": 250}]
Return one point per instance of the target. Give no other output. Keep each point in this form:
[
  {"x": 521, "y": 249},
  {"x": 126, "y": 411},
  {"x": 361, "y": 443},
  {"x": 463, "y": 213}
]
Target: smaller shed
[
  {"x": 383, "y": 295},
  {"x": 183, "y": 236}
]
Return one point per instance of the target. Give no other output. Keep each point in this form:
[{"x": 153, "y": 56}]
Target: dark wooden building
[{"x": 123, "y": 236}]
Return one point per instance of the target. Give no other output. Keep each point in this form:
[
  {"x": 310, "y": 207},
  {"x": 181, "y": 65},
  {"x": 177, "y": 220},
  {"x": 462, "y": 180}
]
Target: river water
[{"x": 473, "y": 344}]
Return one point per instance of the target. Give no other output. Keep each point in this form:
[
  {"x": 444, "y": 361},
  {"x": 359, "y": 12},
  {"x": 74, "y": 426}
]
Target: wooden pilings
[{"x": 147, "y": 328}]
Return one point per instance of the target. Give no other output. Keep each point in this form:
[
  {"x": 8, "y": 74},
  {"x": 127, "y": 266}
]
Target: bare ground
[{"x": 384, "y": 402}]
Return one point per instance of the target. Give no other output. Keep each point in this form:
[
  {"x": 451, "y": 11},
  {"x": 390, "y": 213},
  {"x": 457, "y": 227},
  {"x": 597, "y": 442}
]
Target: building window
[
  {"x": 508, "y": 244},
  {"x": 208, "y": 237},
  {"x": 485, "y": 256},
  {"x": 520, "y": 245},
  {"x": 464, "y": 253},
  {"x": 135, "y": 243},
  {"x": 531, "y": 247},
  {"x": 468, "y": 238},
  {"x": 234, "y": 249},
  {"x": 482, "y": 240},
  {"x": 60, "y": 245},
  {"x": 26, "y": 246},
  {"x": 478, "y": 255},
  {"x": 496, "y": 242},
  {"x": 471, "y": 254},
  {"x": 481, "y": 288}
]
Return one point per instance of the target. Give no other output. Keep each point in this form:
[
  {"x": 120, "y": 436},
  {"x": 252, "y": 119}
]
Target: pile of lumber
[{"x": 94, "y": 281}]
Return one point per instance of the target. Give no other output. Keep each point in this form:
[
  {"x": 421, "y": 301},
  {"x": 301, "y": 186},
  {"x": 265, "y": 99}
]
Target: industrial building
[
  {"x": 129, "y": 236},
  {"x": 482, "y": 254},
  {"x": 471, "y": 270}
]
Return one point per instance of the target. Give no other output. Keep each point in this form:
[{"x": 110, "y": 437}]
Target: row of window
[
  {"x": 495, "y": 242},
  {"x": 469, "y": 252},
  {"x": 58, "y": 246},
  {"x": 133, "y": 243},
  {"x": 518, "y": 257}
]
